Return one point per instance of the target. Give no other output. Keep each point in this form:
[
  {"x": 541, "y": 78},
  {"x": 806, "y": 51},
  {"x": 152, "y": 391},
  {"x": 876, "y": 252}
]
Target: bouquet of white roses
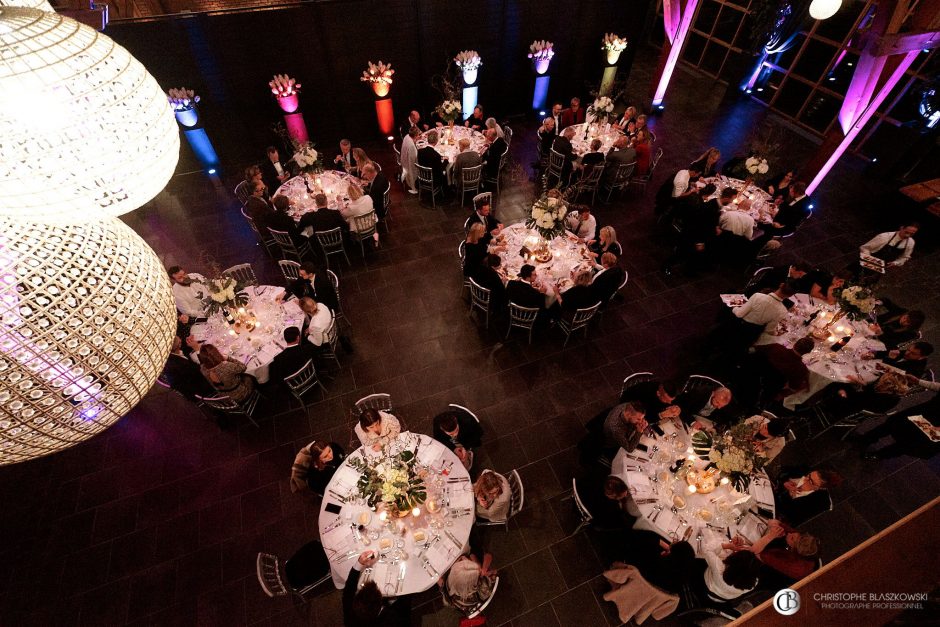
[
  {"x": 756, "y": 165},
  {"x": 733, "y": 453},
  {"x": 283, "y": 85},
  {"x": 182, "y": 99},
  {"x": 548, "y": 217},
  {"x": 601, "y": 108},
  {"x": 378, "y": 73},
  {"x": 306, "y": 157},
  {"x": 856, "y": 301},
  {"x": 225, "y": 293},
  {"x": 468, "y": 60},
  {"x": 395, "y": 481},
  {"x": 613, "y": 43},
  {"x": 541, "y": 50},
  {"x": 449, "y": 110}
]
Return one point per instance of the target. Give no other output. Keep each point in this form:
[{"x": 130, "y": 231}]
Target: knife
[
  {"x": 688, "y": 533},
  {"x": 430, "y": 569},
  {"x": 453, "y": 539},
  {"x": 401, "y": 577}
]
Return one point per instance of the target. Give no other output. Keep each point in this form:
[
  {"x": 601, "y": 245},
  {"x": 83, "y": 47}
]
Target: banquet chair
[
  {"x": 470, "y": 181},
  {"x": 365, "y": 229},
  {"x": 226, "y": 405},
  {"x": 516, "y": 501},
  {"x": 641, "y": 180},
  {"x": 484, "y": 198},
  {"x": 634, "y": 380},
  {"x": 503, "y": 159},
  {"x": 556, "y": 165},
  {"x": 242, "y": 273},
  {"x": 266, "y": 242},
  {"x": 426, "y": 184},
  {"x": 381, "y": 402},
  {"x": 461, "y": 408},
  {"x": 242, "y": 193},
  {"x": 522, "y": 317},
  {"x": 399, "y": 172},
  {"x": 700, "y": 381},
  {"x": 590, "y": 180},
  {"x": 756, "y": 277},
  {"x": 475, "y": 610},
  {"x": 386, "y": 203},
  {"x": 619, "y": 180},
  {"x": 339, "y": 314},
  {"x": 331, "y": 243},
  {"x": 480, "y": 299},
  {"x": 507, "y": 135},
  {"x": 580, "y": 321},
  {"x": 307, "y": 568},
  {"x": 303, "y": 381},
  {"x": 290, "y": 269},
  {"x": 462, "y": 255},
  {"x": 331, "y": 337},
  {"x": 583, "y": 511},
  {"x": 290, "y": 248}
]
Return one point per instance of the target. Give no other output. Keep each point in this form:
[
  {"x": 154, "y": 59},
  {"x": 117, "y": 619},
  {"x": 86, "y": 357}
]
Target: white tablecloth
[
  {"x": 257, "y": 348},
  {"x": 567, "y": 258},
  {"x": 639, "y": 468},
  {"x": 333, "y": 183},
  {"x": 824, "y": 366},
  {"x": 446, "y": 532},
  {"x": 754, "y": 201},
  {"x": 603, "y": 132}
]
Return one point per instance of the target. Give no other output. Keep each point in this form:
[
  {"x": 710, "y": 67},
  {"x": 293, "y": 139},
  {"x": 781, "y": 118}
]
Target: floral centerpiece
[
  {"x": 541, "y": 52},
  {"x": 548, "y": 217},
  {"x": 756, "y": 165},
  {"x": 601, "y": 108},
  {"x": 394, "y": 480},
  {"x": 286, "y": 90},
  {"x": 469, "y": 62},
  {"x": 182, "y": 99},
  {"x": 380, "y": 75},
  {"x": 449, "y": 110},
  {"x": 731, "y": 452},
  {"x": 226, "y": 294},
  {"x": 613, "y": 45},
  {"x": 306, "y": 157},
  {"x": 856, "y": 301}
]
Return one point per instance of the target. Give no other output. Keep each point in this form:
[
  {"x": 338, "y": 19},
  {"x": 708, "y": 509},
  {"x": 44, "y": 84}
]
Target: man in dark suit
[
  {"x": 413, "y": 120},
  {"x": 556, "y": 115},
  {"x": 792, "y": 212},
  {"x": 466, "y": 158},
  {"x": 486, "y": 275},
  {"x": 182, "y": 374},
  {"x": 344, "y": 161},
  {"x": 606, "y": 282},
  {"x": 294, "y": 356},
  {"x": 460, "y": 432},
  {"x": 274, "y": 171},
  {"x": 913, "y": 360},
  {"x": 324, "y": 218},
  {"x": 431, "y": 158},
  {"x": 494, "y": 153},
  {"x": 802, "y": 495},
  {"x": 594, "y": 156},
  {"x": 366, "y": 607},
  {"x": 280, "y": 221},
  {"x": 484, "y": 214},
  {"x": 257, "y": 208},
  {"x": 377, "y": 185},
  {"x": 522, "y": 292},
  {"x": 658, "y": 397},
  {"x": 314, "y": 284},
  {"x": 708, "y": 407},
  {"x": 771, "y": 279},
  {"x": 621, "y": 153},
  {"x": 562, "y": 145},
  {"x": 573, "y": 114}
]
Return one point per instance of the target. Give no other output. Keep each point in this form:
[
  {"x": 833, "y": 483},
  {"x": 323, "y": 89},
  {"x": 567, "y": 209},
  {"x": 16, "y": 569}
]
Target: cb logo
[{"x": 787, "y": 602}]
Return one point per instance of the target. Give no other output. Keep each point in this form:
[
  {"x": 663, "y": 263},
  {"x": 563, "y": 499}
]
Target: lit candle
[
  {"x": 831, "y": 338},
  {"x": 416, "y": 512},
  {"x": 724, "y": 481},
  {"x": 241, "y": 311},
  {"x": 840, "y": 328},
  {"x": 383, "y": 516},
  {"x": 231, "y": 332},
  {"x": 692, "y": 489},
  {"x": 691, "y": 458}
]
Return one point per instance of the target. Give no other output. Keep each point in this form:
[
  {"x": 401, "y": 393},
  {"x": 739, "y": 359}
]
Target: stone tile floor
[{"x": 158, "y": 520}]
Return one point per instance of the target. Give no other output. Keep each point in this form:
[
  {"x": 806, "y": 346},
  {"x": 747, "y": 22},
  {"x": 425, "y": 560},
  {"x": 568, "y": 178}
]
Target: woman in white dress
[
  {"x": 376, "y": 429},
  {"x": 730, "y": 573},
  {"x": 318, "y": 318},
  {"x": 359, "y": 205},
  {"x": 409, "y": 156}
]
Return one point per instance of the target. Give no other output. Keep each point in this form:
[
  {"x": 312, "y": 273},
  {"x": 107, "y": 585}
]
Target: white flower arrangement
[
  {"x": 224, "y": 293},
  {"x": 548, "y": 217},
  {"x": 856, "y": 301},
  {"x": 601, "y": 108},
  {"x": 182, "y": 99},
  {"x": 283, "y": 86},
  {"x": 756, "y": 165},
  {"x": 541, "y": 49},
  {"x": 468, "y": 60},
  {"x": 378, "y": 73},
  {"x": 731, "y": 460},
  {"x": 449, "y": 110},
  {"x": 306, "y": 157},
  {"x": 613, "y": 43}
]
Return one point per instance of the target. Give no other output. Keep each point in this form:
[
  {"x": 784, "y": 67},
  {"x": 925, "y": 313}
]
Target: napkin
[
  {"x": 268, "y": 352},
  {"x": 428, "y": 455},
  {"x": 345, "y": 479},
  {"x": 441, "y": 554},
  {"x": 460, "y": 497},
  {"x": 750, "y": 528},
  {"x": 762, "y": 494},
  {"x": 667, "y": 521},
  {"x": 339, "y": 539},
  {"x": 641, "y": 483}
]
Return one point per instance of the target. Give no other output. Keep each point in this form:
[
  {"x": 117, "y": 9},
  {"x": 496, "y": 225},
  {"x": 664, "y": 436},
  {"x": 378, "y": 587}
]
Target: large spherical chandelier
[
  {"x": 86, "y": 321},
  {"x": 86, "y": 131},
  {"x": 824, "y": 9},
  {"x": 42, "y": 5}
]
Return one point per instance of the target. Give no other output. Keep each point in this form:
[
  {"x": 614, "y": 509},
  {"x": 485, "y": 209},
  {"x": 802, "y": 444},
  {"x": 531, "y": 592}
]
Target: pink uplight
[{"x": 688, "y": 12}]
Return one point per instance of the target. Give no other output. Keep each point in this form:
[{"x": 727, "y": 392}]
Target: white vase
[
  {"x": 613, "y": 56},
  {"x": 541, "y": 65},
  {"x": 470, "y": 76}
]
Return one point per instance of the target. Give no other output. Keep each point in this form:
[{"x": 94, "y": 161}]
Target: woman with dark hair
[
  {"x": 899, "y": 328},
  {"x": 364, "y": 606},
  {"x": 315, "y": 465},
  {"x": 779, "y": 185},
  {"x": 729, "y": 577},
  {"x": 673, "y": 568},
  {"x": 376, "y": 428},
  {"x": 707, "y": 164},
  {"x": 226, "y": 375}
]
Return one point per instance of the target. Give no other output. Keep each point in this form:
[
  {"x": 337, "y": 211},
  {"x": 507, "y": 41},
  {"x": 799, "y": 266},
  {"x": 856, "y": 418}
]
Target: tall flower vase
[
  {"x": 541, "y": 65},
  {"x": 470, "y": 76},
  {"x": 613, "y": 56},
  {"x": 381, "y": 89},
  {"x": 290, "y": 103},
  {"x": 187, "y": 117}
]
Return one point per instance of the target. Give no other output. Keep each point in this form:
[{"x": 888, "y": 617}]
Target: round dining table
[
  {"x": 604, "y": 132},
  {"x": 668, "y": 508},
  {"x": 569, "y": 256},
  {"x": 415, "y": 551},
  {"x": 302, "y": 189},
  {"x": 448, "y": 137},
  {"x": 257, "y": 348},
  {"x": 824, "y": 365}
]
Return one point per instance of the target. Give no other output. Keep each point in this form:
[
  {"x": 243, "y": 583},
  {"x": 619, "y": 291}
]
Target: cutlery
[
  {"x": 430, "y": 569},
  {"x": 698, "y": 538},
  {"x": 342, "y": 557},
  {"x": 453, "y": 539},
  {"x": 688, "y": 533},
  {"x": 646, "y": 501},
  {"x": 366, "y": 574},
  {"x": 333, "y": 525},
  {"x": 337, "y": 495},
  {"x": 401, "y": 577},
  {"x": 458, "y": 479}
]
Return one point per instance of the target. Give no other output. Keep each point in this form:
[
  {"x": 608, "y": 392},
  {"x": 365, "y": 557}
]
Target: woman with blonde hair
[
  {"x": 318, "y": 318},
  {"x": 708, "y": 162},
  {"x": 578, "y": 296},
  {"x": 468, "y": 582},
  {"x": 226, "y": 375},
  {"x": 491, "y": 123},
  {"x": 493, "y": 496},
  {"x": 361, "y": 158},
  {"x": 475, "y": 248},
  {"x": 360, "y": 204},
  {"x": 606, "y": 244}
]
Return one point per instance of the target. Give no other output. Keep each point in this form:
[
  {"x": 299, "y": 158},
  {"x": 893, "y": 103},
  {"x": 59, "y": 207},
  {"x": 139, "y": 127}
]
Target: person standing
[
  {"x": 409, "y": 157},
  {"x": 892, "y": 248}
]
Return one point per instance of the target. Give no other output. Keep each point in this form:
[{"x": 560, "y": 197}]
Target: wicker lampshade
[
  {"x": 86, "y": 130},
  {"x": 86, "y": 321},
  {"x": 42, "y": 5}
]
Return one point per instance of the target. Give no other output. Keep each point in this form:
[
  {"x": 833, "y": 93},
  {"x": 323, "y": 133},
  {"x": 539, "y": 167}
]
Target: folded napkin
[
  {"x": 641, "y": 483},
  {"x": 428, "y": 454},
  {"x": 762, "y": 494},
  {"x": 442, "y": 554},
  {"x": 268, "y": 352},
  {"x": 750, "y": 528},
  {"x": 667, "y": 521},
  {"x": 345, "y": 479},
  {"x": 340, "y": 539},
  {"x": 460, "y": 497}
]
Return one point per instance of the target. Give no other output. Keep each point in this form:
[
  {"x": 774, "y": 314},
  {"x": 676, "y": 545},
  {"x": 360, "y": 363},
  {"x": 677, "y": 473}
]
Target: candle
[
  {"x": 231, "y": 332},
  {"x": 840, "y": 328},
  {"x": 724, "y": 481},
  {"x": 691, "y": 458},
  {"x": 416, "y": 512},
  {"x": 692, "y": 489},
  {"x": 831, "y": 338},
  {"x": 383, "y": 516}
]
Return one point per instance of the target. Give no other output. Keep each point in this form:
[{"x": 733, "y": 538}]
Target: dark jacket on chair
[
  {"x": 323, "y": 220},
  {"x": 290, "y": 360}
]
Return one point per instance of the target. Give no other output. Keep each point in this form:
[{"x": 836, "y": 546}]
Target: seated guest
[
  {"x": 476, "y": 248},
  {"x": 409, "y": 157},
  {"x": 606, "y": 243},
  {"x": 556, "y": 117},
  {"x": 376, "y": 428},
  {"x": 620, "y": 153},
  {"x": 430, "y": 158},
  {"x": 466, "y": 158},
  {"x": 460, "y": 432},
  {"x": 792, "y": 212},
  {"x": 279, "y": 220},
  {"x": 825, "y": 286},
  {"x": 274, "y": 171},
  {"x": 708, "y": 407},
  {"x": 698, "y": 220},
  {"x": 182, "y": 373},
  {"x": 413, "y": 121},
  {"x": 781, "y": 184},
  {"x": 907, "y": 438},
  {"x": 789, "y": 554},
  {"x": 487, "y": 276},
  {"x": 912, "y": 360},
  {"x": 607, "y": 501},
  {"x": 772, "y": 278},
  {"x": 293, "y": 358},
  {"x": 581, "y": 223},
  {"x": 707, "y": 164},
  {"x": 365, "y": 606},
  {"x": 313, "y": 283},
  {"x": 359, "y": 205},
  {"x": 642, "y": 145},
  {"x": 802, "y": 495},
  {"x": 769, "y": 435},
  {"x": 608, "y": 280},
  {"x": 314, "y": 466},
  {"x": 782, "y": 368},
  {"x": 345, "y": 160},
  {"x": 594, "y": 156},
  {"x": 476, "y": 121},
  {"x": 624, "y": 425},
  {"x": 562, "y": 145},
  {"x": 673, "y": 567},
  {"x": 679, "y": 185},
  {"x": 738, "y": 224},
  {"x": 641, "y": 125},
  {"x": 574, "y": 114},
  {"x": 492, "y": 158},
  {"x": 493, "y": 496},
  {"x": 323, "y": 218},
  {"x": 659, "y": 398},
  {"x": 377, "y": 186},
  {"x": 469, "y": 582},
  {"x": 579, "y": 296},
  {"x": 226, "y": 375},
  {"x": 491, "y": 123},
  {"x": 759, "y": 317},
  {"x": 362, "y": 160},
  {"x": 899, "y": 328},
  {"x": 546, "y": 135},
  {"x": 730, "y": 573},
  {"x": 629, "y": 115},
  {"x": 841, "y": 400},
  {"x": 257, "y": 206},
  {"x": 253, "y": 174},
  {"x": 317, "y": 319},
  {"x": 484, "y": 214},
  {"x": 523, "y": 291},
  {"x": 189, "y": 292}
]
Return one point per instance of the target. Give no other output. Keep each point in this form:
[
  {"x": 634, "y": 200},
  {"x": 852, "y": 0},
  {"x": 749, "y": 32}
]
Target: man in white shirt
[
  {"x": 189, "y": 290},
  {"x": 897, "y": 245},
  {"x": 582, "y": 223},
  {"x": 683, "y": 180},
  {"x": 764, "y": 311},
  {"x": 556, "y": 115},
  {"x": 737, "y": 222}
]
